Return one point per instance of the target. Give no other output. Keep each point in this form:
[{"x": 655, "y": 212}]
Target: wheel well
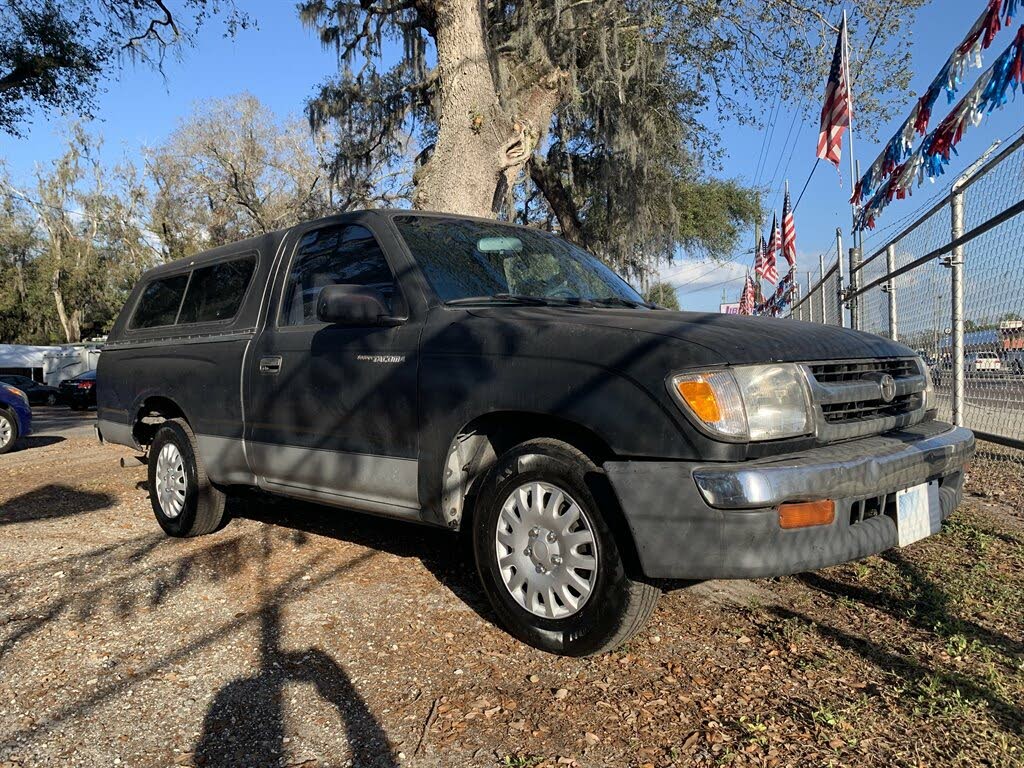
[
  {"x": 506, "y": 429},
  {"x": 478, "y": 445},
  {"x": 153, "y": 412}
]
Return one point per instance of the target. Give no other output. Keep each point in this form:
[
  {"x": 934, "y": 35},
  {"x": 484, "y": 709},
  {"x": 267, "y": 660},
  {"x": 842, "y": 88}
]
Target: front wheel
[
  {"x": 548, "y": 558},
  {"x": 51, "y": 399},
  {"x": 184, "y": 500},
  {"x": 8, "y": 432}
]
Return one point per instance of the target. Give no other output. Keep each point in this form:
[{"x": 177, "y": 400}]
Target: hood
[{"x": 730, "y": 339}]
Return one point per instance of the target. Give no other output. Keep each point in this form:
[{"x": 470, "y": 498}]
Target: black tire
[
  {"x": 12, "y": 423},
  {"x": 76, "y": 407},
  {"x": 203, "y": 509},
  {"x": 618, "y": 606},
  {"x": 51, "y": 399}
]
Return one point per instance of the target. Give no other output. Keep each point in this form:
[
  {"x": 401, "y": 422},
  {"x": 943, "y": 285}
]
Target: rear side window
[
  {"x": 346, "y": 254},
  {"x": 216, "y": 291},
  {"x": 160, "y": 302}
]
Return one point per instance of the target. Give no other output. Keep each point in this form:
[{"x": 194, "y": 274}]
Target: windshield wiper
[
  {"x": 499, "y": 298},
  {"x": 618, "y": 301}
]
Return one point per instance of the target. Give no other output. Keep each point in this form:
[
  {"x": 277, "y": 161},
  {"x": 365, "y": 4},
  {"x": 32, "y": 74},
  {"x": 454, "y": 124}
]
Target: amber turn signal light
[
  {"x": 804, "y": 514},
  {"x": 701, "y": 398}
]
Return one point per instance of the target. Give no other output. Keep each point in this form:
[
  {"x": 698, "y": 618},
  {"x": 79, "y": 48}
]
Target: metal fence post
[
  {"x": 890, "y": 288},
  {"x": 855, "y": 319},
  {"x": 839, "y": 277},
  {"x": 810, "y": 304},
  {"x": 821, "y": 288},
  {"x": 956, "y": 280}
]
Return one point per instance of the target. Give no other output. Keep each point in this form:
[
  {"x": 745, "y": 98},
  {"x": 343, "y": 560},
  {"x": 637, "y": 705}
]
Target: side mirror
[{"x": 352, "y": 305}]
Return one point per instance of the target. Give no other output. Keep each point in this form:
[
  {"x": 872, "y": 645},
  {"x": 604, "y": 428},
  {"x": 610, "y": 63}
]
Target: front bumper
[
  {"x": 694, "y": 520},
  {"x": 24, "y": 415}
]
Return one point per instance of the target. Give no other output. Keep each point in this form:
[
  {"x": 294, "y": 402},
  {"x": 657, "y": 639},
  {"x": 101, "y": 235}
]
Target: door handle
[{"x": 270, "y": 364}]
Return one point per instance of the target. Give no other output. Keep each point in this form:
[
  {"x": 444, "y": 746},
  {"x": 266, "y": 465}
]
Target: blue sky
[{"x": 281, "y": 63}]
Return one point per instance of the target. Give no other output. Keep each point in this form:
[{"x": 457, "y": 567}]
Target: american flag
[
  {"x": 788, "y": 232},
  {"x": 835, "y": 113},
  {"x": 770, "y": 273},
  {"x": 747, "y": 297}
]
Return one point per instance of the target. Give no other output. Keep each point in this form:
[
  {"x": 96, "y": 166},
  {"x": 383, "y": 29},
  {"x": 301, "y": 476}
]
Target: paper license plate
[{"x": 918, "y": 512}]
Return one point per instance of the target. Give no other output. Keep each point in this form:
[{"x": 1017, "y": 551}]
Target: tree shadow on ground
[
  {"x": 244, "y": 725},
  {"x": 927, "y": 605},
  {"x": 51, "y": 502},
  {"x": 1008, "y": 714},
  {"x": 446, "y": 555}
]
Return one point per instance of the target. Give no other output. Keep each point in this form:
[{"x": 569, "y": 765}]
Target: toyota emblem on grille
[{"x": 888, "y": 386}]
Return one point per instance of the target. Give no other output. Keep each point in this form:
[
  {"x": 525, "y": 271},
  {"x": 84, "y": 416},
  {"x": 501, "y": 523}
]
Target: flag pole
[{"x": 853, "y": 164}]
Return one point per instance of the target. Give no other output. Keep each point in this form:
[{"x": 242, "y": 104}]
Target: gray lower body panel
[
  {"x": 679, "y": 534},
  {"x": 114, "y": 432},
  {"x": 384, "y": 485}
]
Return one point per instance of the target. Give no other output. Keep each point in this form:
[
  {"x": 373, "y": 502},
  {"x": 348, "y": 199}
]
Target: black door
[{"x": 332, "y": 410}]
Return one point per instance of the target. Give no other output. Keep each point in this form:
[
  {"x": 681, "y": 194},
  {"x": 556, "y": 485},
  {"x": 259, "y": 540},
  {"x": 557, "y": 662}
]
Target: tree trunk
[
  {"x": 70, "y": 324},
  {"x": 62, "y": 315},
  {"x": 481, "y": 145}
]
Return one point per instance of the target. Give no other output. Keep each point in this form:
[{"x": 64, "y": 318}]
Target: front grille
[
  {"x": 860, "y": 410},
  {"x": 848, "y": 396},
  {"x": 855, "y": 370}
]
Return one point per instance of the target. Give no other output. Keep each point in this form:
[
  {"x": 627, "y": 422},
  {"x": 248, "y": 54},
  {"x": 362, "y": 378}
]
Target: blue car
[{"x": 15, "y": 416}]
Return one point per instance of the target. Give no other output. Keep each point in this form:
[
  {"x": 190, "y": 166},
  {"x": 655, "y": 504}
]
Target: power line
[
  {"x": 765, "y": 143},
  {"x": 809, "y": 175}
]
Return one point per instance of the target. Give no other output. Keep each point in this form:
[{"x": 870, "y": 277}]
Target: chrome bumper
[{"x": 885, "y": 462}]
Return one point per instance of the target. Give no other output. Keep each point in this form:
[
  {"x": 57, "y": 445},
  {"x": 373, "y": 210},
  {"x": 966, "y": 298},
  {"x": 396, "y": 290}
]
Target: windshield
[{"x": 465, "y": 260}]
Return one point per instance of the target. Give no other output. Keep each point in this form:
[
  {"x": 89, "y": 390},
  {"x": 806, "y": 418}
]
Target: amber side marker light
[{"x": 804, "y": 514}]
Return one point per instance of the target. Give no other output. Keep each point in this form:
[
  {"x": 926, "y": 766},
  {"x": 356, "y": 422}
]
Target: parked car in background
[
  {"x": 501, "y": 381},
  {"x": 15, "y": 416},
  {"x": 38, "y": 394},
  {"x": 979, "y": 362},
  {"x": 79, "y": 392}
]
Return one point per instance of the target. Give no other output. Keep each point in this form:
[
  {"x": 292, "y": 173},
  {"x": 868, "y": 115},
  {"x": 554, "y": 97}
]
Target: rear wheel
[
  {"x": 51, "y": 399},
  {"x": 184, "y": 500},
  {"x": 547, "y": 556},
  {"x": 8, "y": 432}
]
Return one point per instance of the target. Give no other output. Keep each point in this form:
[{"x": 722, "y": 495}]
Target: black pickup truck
[{"x": 497, "y": 380}]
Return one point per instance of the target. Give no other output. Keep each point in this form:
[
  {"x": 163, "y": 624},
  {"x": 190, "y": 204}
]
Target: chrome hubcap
[
  {"x": 170, "y": 480},
  {"x": 546, "y": 550},
  {"x": 5, "y": 432}
]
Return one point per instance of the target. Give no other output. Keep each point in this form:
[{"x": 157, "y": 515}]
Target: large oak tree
[{"x": 601, "y": 113}]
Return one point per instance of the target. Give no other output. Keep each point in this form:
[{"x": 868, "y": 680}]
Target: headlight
[
  {"x": 750, "y": 402},
  {"x": 17, "y": 392}
]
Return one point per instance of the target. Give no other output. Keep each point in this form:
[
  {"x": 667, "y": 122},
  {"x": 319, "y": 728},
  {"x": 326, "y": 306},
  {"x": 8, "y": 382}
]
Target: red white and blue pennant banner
[
  {"x": 780, "y": 298},
  {"x": 949, "y": 78},
  {"x": 933, "y": 155}
]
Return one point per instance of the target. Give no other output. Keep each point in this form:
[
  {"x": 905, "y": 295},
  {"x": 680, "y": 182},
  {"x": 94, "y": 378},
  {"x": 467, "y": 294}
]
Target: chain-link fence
[{"x": 950, "y": 285}]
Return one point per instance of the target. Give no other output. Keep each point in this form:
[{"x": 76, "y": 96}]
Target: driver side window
[{"x": 342, "y": 254}]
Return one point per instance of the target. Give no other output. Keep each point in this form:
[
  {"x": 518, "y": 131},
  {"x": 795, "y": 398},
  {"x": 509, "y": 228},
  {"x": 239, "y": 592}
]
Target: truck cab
[{"x": 500, "y": 381}]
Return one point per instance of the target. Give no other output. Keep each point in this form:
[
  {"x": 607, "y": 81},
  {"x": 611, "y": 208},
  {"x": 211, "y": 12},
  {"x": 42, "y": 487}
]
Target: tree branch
[{"x": 548, "y": 180}]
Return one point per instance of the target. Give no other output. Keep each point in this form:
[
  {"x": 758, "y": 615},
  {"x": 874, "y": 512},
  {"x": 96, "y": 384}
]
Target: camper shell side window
[{"x": 208, "y": 293}]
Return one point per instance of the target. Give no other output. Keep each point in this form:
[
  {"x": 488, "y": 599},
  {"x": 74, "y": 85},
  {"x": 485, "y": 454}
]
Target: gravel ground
[{"x": 305, "y": 636}]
